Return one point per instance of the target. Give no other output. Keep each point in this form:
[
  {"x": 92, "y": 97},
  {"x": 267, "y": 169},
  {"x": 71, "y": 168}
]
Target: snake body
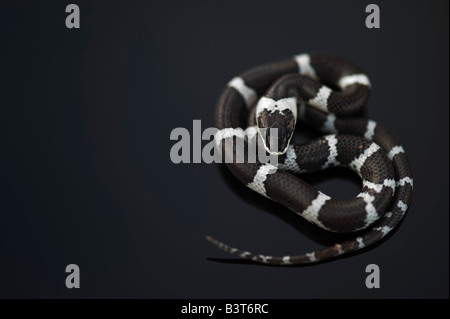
[{"x": 327, "y": 93}]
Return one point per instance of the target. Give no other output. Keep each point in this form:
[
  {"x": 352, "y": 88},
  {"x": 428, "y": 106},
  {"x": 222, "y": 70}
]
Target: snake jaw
[
  {"x": 276, "y": 129},
  {"x": 276, "y": 119}
]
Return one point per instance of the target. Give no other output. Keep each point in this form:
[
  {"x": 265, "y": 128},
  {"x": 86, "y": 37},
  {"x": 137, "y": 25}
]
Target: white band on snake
[{"x": 327, "y": 93}]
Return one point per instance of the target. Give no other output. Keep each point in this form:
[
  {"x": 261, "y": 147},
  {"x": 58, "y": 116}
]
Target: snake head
[{"x": 276, "y": 123}]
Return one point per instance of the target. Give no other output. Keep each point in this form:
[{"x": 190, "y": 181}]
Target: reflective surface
[{"x": 86, "y": 175}]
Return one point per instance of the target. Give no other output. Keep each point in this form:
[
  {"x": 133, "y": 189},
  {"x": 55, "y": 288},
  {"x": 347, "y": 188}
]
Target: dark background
[{"x": 86, "y": 176}]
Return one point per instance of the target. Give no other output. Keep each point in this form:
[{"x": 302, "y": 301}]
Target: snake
[{"x": 327, "y": 93}]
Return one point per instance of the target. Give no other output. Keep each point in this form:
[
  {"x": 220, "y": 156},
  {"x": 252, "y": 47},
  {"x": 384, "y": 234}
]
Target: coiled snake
[{"x": 326, "y": 92}]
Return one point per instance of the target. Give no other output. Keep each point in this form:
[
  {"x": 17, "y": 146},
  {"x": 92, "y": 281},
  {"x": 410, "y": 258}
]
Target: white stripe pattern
[
  {"x": 266, "y": 103},
  {"x": 384, "y": 230},
  {"x": 311, "y": 256},
  {"x": 304, "y": 66},
  {"x": 320, "y": 101},
  {"x": 352, "y": 79},
  {"x": 395, "y": 150},
  {"x": 332, "y": 151},
  {"x": 403, "y": 207},
  {"x": 286, "y": 260},
  {"x": 290, "y": 163},
  {"x": 261, "y": 175},
  {"x": 311, "y": 213},
  {"x": 338, "y": 249},
  {"x": 378, "y": 187},
  {"x": 405, "y": 180},
  {"x": 370, "y": 130},
  {"x": 248, "y": 94},
  {"x": 372, "y": 214},
  {"x": 265, "y": 259},
  {"x": 249, "y": 133},
  {"x": 390, "y": 183},
  {"x": 227, "y": 133},
  {"x": 358, "y": 162},
  {"x": 360, "y": 242}
]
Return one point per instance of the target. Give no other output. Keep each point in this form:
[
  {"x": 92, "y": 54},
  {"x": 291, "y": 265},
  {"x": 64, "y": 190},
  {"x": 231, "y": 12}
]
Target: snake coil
[{"x": 327, "y": 93}]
